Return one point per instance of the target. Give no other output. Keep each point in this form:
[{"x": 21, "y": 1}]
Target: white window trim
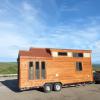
[
  {"x": 70, "y": 54},
  {"x": 55, "y": 54},
  {"x": 87, "y": 55}
]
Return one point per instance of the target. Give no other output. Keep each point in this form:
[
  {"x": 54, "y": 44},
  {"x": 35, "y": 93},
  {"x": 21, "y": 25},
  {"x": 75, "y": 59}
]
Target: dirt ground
[{"x": 9, "y": 91}]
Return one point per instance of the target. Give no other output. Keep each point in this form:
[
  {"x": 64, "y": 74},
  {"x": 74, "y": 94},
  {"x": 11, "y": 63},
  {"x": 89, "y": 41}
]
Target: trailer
[{"x": 52, "y": 68}]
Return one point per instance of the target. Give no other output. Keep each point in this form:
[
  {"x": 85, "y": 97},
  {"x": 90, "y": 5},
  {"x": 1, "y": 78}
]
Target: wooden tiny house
[{"x": 52, "y": 68}]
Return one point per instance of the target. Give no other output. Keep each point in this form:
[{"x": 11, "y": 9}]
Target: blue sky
[{"x": 72, "y": 24}]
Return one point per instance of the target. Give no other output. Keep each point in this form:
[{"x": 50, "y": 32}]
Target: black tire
[
  {"x": 57, "y": 86},
  {"x": 47, "y": 87}
]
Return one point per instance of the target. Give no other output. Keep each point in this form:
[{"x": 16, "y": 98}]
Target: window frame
[
  {"x": 79, "y": 68},
  {"x": 43, "y": 71},
  {"x": 31, "y": 68},
  {"x": 62, "y": 54},
  {"x": 37, "y": 72},
  {"x": 76, "y": 55}
]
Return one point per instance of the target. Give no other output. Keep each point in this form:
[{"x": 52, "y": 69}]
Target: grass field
[
  {"x": 11, "y": 67},
  {"x": 8, "y": 68}
]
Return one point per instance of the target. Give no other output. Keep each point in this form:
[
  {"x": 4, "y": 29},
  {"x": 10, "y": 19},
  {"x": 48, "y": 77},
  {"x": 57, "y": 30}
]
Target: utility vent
[{"x": 87, "y": 55}]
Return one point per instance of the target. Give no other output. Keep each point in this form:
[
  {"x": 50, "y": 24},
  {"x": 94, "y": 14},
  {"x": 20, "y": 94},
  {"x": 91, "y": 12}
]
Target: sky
[{"x": 70, "y": 24}]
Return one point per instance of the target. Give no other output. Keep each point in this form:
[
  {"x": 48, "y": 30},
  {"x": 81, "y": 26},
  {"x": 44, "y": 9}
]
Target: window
[
  {"x": 37, "y": 71},
  {"x": 43, "y": 70},
  {"x": 80, "y": 54},
  {"x": 31, "y": 70},
  {"x": 77, "y": 54},
  {"x": 78, "y": 66},
  {"x": 62, "y": 53}
]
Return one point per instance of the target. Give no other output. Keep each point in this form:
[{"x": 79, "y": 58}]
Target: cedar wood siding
[{"x": 58, "y": 69}]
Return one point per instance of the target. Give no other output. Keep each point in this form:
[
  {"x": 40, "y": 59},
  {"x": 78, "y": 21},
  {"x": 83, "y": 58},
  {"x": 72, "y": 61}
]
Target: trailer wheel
[
  {"x": 47, "y": 87},
  {"x": 57, "y": 86}
]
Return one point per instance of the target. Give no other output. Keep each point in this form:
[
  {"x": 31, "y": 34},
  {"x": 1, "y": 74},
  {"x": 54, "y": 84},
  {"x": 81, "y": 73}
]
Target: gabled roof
[{"x": 36, "y": 52}]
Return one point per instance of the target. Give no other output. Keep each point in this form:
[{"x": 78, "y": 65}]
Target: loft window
[
  {"x": 31, "y": 70},
  {"x": 79, "y": 66},
  {"x": 77, "y": 54},
  {"x": 62, "y": 53}
]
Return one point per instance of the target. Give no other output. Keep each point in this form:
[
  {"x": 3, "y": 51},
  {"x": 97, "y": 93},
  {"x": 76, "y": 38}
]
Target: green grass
[{"x": 8, "y": 68}]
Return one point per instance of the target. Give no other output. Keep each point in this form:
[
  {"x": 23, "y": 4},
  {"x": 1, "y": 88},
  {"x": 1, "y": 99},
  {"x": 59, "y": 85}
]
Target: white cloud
[
  {"x": 66, "y": 8},
  {"x": 11, "y": 43},
  {"x": 2, "y": 11},
  {"x": 95, "y": 46},
  {"x": 26, "y": 6},
  {"x": 7, "y": 25},
  {"x": 28, "y": 12},
  {"x": 69, "y": 7}
]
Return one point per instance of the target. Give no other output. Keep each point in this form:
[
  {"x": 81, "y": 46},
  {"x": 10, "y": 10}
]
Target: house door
[{"x": 37, "y": 70}]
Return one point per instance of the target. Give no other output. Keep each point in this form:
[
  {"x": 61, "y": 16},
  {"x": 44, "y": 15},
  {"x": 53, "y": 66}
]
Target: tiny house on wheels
[{"x": 52, "y": 68}]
